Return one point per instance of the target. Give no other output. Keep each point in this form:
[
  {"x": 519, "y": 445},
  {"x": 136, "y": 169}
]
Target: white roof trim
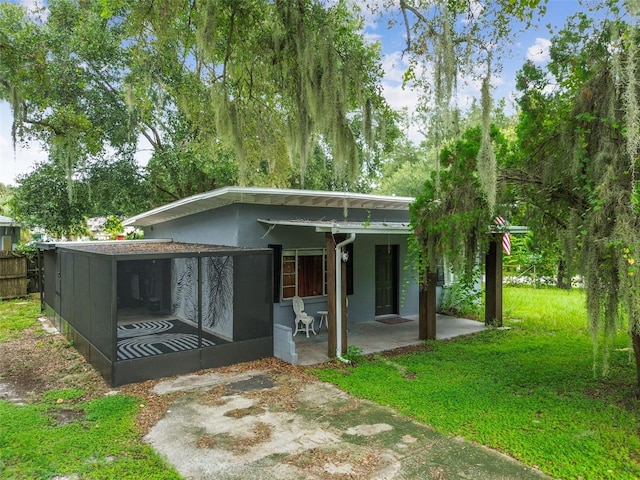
[
  {"x": 332, "y": 226},
  {"x": 266, "y": 196},
  {"x": 7, "y": 222}
]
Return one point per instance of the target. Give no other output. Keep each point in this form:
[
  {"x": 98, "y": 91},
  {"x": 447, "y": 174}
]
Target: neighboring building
[
  {"x": 235, "y": 259},
  {"x": 9, "y": 234}
]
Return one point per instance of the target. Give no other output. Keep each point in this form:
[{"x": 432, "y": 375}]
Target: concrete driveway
[{"x": 276, "y": 425}]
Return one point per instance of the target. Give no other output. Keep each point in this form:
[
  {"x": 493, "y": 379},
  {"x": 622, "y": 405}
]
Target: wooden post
[
  {"x": 427, "y": 308},
  {"x": 493, "y": 292},
  {"x": 332, "y": 339}
]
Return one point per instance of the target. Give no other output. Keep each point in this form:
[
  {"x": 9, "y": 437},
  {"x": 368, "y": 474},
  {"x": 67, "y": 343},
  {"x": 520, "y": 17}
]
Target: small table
[{"x": 323, "y": 317}]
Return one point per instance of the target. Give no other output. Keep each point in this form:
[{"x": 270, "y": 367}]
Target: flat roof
[
  {"x": 266, "y": 196},
  {"x": 147, "y": 247}
]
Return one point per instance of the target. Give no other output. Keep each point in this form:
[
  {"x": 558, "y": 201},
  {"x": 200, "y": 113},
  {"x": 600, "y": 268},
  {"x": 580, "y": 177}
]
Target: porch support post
[
  {"x": 332, "y": 341},
  {"x": 200, "y": 303},
  {"x": 427, "y": 308},
  {"x": 343, "y": 300},
  {"x": 493, "y": 293}
]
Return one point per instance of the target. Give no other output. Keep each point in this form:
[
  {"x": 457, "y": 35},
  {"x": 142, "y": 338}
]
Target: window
[{"x": 303, "y": 273}]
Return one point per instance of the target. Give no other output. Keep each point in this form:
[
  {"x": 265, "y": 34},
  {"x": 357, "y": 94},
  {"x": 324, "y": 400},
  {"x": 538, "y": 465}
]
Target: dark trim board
[
  {"x": 157, "y": 366},
  {"x": 237, "y": 352},
  {"x": 191, "y": 361}
]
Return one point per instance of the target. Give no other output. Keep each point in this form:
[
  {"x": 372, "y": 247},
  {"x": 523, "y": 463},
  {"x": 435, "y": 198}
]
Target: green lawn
[
  {"x": 16, "y": 316},
  {"x": 59, "y": 433},
  {"x": 529, "y": 392}
]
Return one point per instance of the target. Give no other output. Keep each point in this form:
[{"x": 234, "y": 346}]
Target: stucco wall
[{"x": 237, "y": 225}]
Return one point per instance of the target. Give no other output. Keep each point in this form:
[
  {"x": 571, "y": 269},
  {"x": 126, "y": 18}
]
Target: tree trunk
[
  {"x": 562, "y": 281},
  {"x": 635, "y": 338},
  {"x": 427, "y": 308}
]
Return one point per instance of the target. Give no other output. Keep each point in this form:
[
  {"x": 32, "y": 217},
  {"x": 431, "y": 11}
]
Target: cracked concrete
[{"x": 286, "y": 428}]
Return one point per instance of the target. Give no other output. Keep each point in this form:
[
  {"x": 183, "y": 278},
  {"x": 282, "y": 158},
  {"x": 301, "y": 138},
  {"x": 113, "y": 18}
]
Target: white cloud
[
  {"x": 539, "y": 51},
  {"x": 20, "y": 161},
  {"x": 475, "y": 9},
  {"x": 394, "y": 66}
]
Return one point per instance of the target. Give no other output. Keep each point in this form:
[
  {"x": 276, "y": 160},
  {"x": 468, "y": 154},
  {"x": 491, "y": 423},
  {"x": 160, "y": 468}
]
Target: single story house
[
  {"x": 213, "y": 282},
  {"x": 303, "y": 228}
]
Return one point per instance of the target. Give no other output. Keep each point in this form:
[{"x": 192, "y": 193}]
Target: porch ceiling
[
  {"x": 332, "y": 226},
  {"x": 266, "y": 196}
]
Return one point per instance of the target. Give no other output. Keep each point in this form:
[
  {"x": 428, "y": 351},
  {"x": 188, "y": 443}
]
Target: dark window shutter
[
  {"x": 277, "y": 270},
  {"x": 349, "y": 248}
]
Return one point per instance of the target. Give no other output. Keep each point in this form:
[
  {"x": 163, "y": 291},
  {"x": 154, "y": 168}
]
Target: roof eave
[{"x": 265, "y": 196}]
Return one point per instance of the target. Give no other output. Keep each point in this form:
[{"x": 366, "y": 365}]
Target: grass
[
  {"x": 61, "y": 434},
  {"x": 16, "y": 316},
  {"x": 529, "y": 392}
]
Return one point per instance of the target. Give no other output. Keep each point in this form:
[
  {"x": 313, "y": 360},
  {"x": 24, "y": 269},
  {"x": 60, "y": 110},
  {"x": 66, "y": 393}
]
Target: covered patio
[{"x": 377, "y": 336}]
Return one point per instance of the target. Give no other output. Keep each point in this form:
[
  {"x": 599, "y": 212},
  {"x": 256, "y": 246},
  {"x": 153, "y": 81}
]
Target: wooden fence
[{"x": 13, "y": 275}]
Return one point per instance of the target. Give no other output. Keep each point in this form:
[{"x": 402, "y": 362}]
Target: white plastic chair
[{"x": 303, "y": 320}]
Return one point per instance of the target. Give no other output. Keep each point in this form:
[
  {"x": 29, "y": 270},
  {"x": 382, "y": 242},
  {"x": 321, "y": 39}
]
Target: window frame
[{"x": 296, "y": 253}]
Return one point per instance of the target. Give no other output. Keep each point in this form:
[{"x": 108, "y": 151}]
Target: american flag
[{"x": 506, "y": 238}]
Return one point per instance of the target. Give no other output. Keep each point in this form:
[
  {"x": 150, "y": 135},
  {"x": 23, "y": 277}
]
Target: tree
[
  {"x": 446, "y": 41},
  {"x": 580, "y": 151},
  {"x": 102, "y": 188},
  {"x": 42, "y": 200},
  {"x": 405, "y": 167},
  {"x": 6, "y": 192},
  {"x": 115, "y": 187},
  {"x": 60, "y": 75},
  {"x": 451, "y": 217},
  {"x": 266, "y": 80}
]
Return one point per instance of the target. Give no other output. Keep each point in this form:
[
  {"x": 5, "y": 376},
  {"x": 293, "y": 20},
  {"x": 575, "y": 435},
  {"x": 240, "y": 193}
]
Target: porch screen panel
[
  {"x": 252, "y": 297},
  {"x": 65, "y": 279},
  {"x": 50, "y": 277},
  {"x": 166, "y": 334},
  {"x": 217, "y": 296},
  {"x": 81, "y": 317},
  {"x": 100, "y": 284},
  {"x": 184, "y": 289}
]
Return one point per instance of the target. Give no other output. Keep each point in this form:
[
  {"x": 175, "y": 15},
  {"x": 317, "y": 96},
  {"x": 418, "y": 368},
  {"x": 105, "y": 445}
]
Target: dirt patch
[
  {"x": 66, "y": 415},
  {"x": 37, "y": 362}
]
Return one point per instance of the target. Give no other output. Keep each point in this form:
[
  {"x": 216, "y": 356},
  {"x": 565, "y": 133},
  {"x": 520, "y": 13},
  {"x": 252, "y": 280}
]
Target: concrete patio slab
[{"x": 375, "y": 336}]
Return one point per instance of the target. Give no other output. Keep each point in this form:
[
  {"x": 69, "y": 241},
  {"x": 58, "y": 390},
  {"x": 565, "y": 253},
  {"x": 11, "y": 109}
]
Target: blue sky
[{"x": 532, "y": 44}]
